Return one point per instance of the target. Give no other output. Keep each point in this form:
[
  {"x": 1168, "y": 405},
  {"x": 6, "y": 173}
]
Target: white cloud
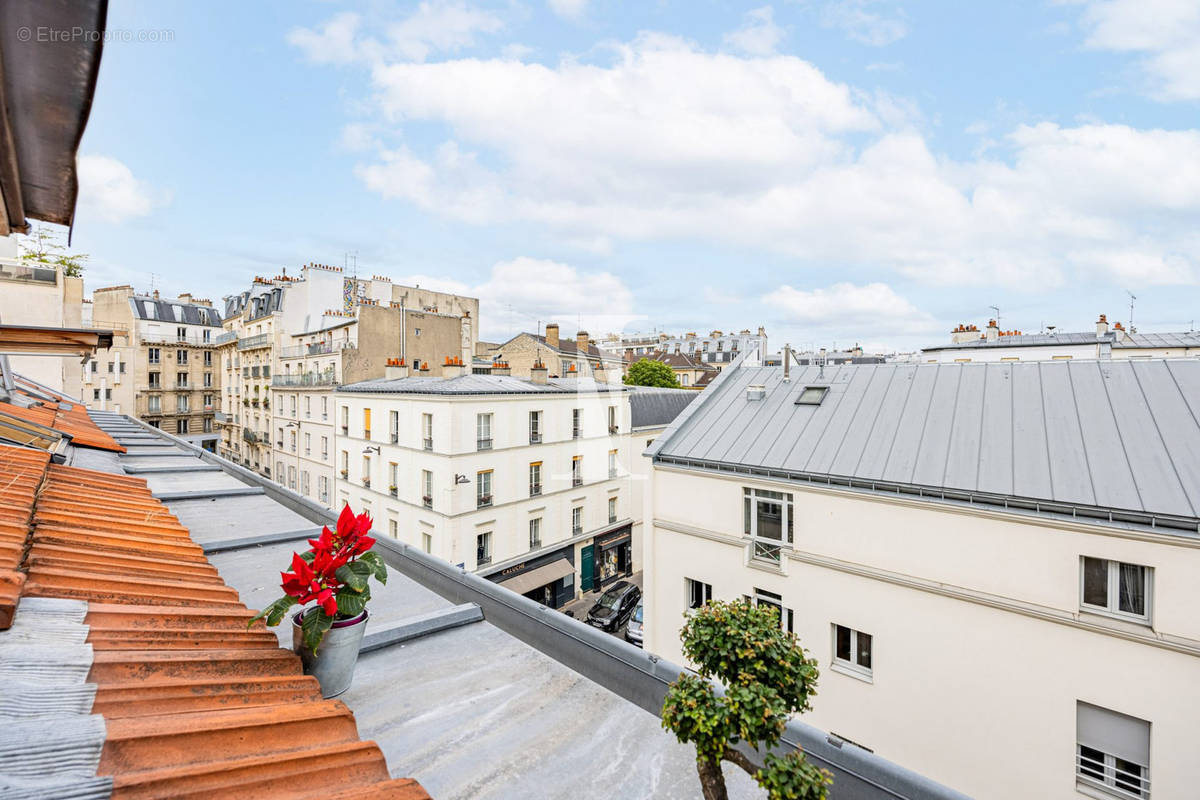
[
  {"x": 874, "y": 307},
  {"x": 858, "y": 20},
  {"x": 568, "y": 9},
  {"x": 108, "y": 190},
  {"x": 435, "y": 26},
  {"x": 759, "y": 35},
  {"x": 1165, "y": 32},
  {"x": 667, "y": 141}
]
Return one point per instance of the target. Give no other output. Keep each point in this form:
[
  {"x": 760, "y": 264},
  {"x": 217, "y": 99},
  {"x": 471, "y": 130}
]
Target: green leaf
[
  {"x": 373, "y": 559},
  {"x": 351, "y": 604},
  {"x": 275, "y": 612},
  {"x": 352, "y": 577},
  {"x": 314, "y": 627}
]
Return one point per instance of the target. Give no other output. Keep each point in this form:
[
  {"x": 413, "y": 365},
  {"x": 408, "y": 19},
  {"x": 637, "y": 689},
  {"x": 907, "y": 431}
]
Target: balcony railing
[
  {"x": 576, "y": 480},
  {"x": 535, "y": 489},
  {"x": 251, "y": 342},
  {"x": 395, "y": 437},
  {"x": 225, "y": 338},
  {"x": 427, "y": 501},
  {"x": 323, "y": 378},
  {"x": 612, "y": 472},
  {"x": 10, "y": 271},
  {"x": 174, "y": 338},
  {"x": 250, "y": 436},
  {"x": 483, "y": 501},
  {"x": 316, "y": 349},
  {"x": 393, "y": 491},
  {"x": 428, "y": 444},
  {"x": 765, "y": 551},
  {"x": 483, "y": 444},
  {"x": 483, "y": 559},
  {"x": 367, "y": 482},
  {"x": 535, "y": 437}
]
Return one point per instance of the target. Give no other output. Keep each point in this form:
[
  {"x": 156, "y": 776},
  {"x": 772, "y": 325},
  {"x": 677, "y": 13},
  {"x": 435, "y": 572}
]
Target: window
[
  {"x": 612, "y": 419},
  {"x": 307, "y": 406},
  {"x": 811, "y": 395},
  {"x": 577, "y": 471},
  {"x": 768, "y": 522},
  {"x": 154, "y": 355},
  {"x": 155, "y": 380},
  {"x": 612, "y": 463},
  {"x": 427, "y": 542},
  {"x": 483, "y": 549},
  {"x": 394, "y": 426},
  {"x": 181, "y": 356},
  {"x": 393, "y": 475},
  {"x": 366, "y": 471},
  {"x": 183, "y": 426},
  {"x": 345, "y": 420},
  {"x": 366, "y": 423},
  {"x": 304, "y": 484},
  {"x": 698, "y": 593},
  {"x": 308, "y": 444},
  {"x": 324, "y": 448},
  {"x": 324, "y": 408},
  {"x": 207, "y": 355},
  {"x": 181, "y": 403},
  {"x": 764, "y": 598},
  {"x": 393, "y": 529},
  {"x": 852, "y": 650},
  {"x": 181, "y": 380},
  {"x": 577, "y": 520},
  {"x": 483, "y": 488},
  {"x": 535, "y": 427},
  {"x": 612, "y": 509},
  {"x": 206, "y": 335},
  {"x": 535, "y": 533},
  {"x": 1112, "y": 751},
  {"x": 427, "y": 430},
  {"x": 483, "y": 431},
  {"x": 181, "y": 334},
  {"x": 154, "y": 403},
  {"x": 427, "y": 488},
  {"x": 292, "y": 441},
  {"x": 577, "y": 423},
  {"x": 1112, "y": 587},
  {"x": 345, "y": 465},
  {"x": 96, "y": 394},
  {"x": 323, "y": 488},
  {"x": 292, "y": 404},
  {"x": 535, "y": 478},
  {"x": 291, "y": 477}
]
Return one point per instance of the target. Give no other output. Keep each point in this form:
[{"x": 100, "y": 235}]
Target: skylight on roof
[{"x": 811, "y": 395}]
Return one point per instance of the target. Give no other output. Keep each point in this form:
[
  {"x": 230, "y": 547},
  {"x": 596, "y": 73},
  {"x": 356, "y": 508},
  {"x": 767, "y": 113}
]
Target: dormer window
[{"x": 811, "y": 395}]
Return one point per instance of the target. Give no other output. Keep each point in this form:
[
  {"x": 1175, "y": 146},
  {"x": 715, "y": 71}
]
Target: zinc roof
[
  {"x": 654, "y": 407},
  {"x": 1113, "y": 435}
]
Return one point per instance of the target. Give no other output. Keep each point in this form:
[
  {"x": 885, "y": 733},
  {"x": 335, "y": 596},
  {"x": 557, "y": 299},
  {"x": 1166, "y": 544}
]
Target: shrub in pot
[{"x": 331, "y": 583}]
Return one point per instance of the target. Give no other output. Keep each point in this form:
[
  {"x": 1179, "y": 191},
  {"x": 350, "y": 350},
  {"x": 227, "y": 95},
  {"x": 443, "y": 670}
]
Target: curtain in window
[{"x": 1133, "y": 589}]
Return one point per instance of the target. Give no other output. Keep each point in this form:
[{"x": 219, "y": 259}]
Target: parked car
[
  {"x": 615, "y": 606},
  {"x": 633, "y": 633}
]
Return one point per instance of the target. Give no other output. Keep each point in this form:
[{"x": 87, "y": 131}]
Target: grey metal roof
[
  {"x": 1115, "y": 435},
  {"x": 1029, "y": 340},
  {"x": 654, "y": 407},
  {"x": 480, "y": 385},
  {"x": 1181, "y": 339},
  {"x": 153, "y": 308}
]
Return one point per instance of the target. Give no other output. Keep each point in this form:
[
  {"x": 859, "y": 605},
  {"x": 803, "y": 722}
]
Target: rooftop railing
[
  {"x": 323, "y": 378},
  {"x": 226, "y": 338},
  {"x": 14, "y": 271},
  {"x": 316, "y": 349},
  {"x": 174, "y": 338}
]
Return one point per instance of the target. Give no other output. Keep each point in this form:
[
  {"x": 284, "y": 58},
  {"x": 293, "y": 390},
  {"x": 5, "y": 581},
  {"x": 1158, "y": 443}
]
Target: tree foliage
[
  {"x": 44, "y": 246},
  {"x": 651, "y": 373},
  {"x": 766, "y": 676}
]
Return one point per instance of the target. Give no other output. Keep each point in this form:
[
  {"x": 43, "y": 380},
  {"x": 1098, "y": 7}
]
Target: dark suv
[{"x": 615, "y": 606}]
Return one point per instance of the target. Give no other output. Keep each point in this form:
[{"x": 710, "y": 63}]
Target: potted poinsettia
[{"x": 331, "y": 581}]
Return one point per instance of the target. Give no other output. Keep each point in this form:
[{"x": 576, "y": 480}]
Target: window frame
[
  {"x": 761, "y": 545},
  {"x": 693, "y": 588},
  {"x": 1113, "y": 590},
  {"x": 852, "y": 667}
]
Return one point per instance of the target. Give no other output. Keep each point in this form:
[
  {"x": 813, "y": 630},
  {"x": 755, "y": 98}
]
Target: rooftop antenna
[
  {"x": 997, "y": 310},
  {"x": 1132, "y": 297},
  {"x": 153, "y": 282}
]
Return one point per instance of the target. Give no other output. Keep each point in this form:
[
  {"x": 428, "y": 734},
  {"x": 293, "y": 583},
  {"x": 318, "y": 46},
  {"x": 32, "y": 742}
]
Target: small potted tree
[{"x": 331, "y": 581}]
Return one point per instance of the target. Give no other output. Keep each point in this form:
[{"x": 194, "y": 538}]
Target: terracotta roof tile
[{"x": 196, "y": 704}]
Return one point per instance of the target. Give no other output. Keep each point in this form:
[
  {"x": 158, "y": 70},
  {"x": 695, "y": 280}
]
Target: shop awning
[{"x": 535, "y": 578}]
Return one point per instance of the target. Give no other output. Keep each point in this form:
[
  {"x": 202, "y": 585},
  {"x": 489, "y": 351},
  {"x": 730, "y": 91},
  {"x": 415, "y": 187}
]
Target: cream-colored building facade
[
  {"x": 969, "y": 344},
  {"x": 40, "y": 294},
  {"x": 513, "y": 479},
  {"x": 1028, "y": 642}
]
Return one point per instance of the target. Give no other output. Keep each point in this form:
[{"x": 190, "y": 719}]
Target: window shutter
[{"x": 1112, "y": 732}]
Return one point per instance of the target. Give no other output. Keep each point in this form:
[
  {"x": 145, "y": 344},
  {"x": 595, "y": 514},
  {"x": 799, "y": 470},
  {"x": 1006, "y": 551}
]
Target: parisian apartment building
[
  {"x": 162, "y": 367},
  {"x": 562, "y": 357},
  {"x": 715, "y": 350},
  {"x": 1003, "y": 556},
  {"x": 290, "y": 340},
  {"x": 534, "y": 483}
]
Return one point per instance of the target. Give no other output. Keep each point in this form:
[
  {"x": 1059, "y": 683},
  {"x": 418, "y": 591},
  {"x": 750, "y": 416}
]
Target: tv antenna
[
  {"x": 997, "y": 310},
  {"x": 1132, "y": 297},
  {"x": 153, "y": 281}
]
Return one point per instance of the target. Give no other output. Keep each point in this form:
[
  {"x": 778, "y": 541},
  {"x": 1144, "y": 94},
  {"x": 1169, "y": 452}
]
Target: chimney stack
[
  {"x": 396, "y": 368},
  {"x": 552, "y": 335},
  {"x": 186, "y": 297},
  {"x": 537, "y": 373},
  {"x": 501, "y": 368},
  {"x": 1102, "y": 326},
  {"x": 993, "y": 331},
  {"x": 454, "y": 367},
  {"x": 582, "y": 342}
]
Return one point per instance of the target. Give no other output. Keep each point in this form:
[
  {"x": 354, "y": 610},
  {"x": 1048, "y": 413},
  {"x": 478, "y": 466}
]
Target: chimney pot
[{"x": 552, "y": 335}]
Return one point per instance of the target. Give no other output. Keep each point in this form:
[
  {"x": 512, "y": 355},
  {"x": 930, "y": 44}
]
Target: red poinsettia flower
[
  {"x": 328, "y": 602},
  {"x": 299, "y": 581}
]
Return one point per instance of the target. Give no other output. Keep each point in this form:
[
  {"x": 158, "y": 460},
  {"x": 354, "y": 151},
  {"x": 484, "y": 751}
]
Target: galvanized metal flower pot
[{"x": 333, "y": 663}]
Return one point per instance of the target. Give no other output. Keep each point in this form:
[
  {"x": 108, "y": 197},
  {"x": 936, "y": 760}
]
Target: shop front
[
  {"x": 548, "y": 579},
  {"x": 614, "y": 555}
]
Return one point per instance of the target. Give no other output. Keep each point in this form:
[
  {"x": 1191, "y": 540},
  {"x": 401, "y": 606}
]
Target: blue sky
[{"x": 836, "y": 170}]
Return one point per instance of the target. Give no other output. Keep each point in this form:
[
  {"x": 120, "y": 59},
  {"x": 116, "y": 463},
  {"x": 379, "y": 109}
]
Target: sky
[{"x": 837, "y": 171}]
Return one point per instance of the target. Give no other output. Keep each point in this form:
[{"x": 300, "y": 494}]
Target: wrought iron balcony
[{"x": 252, "y": 342}]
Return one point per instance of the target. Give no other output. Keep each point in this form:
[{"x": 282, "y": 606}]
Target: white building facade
[
  {"x": 523, "y": 482},
  {"x": 984, "y": 607}
]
